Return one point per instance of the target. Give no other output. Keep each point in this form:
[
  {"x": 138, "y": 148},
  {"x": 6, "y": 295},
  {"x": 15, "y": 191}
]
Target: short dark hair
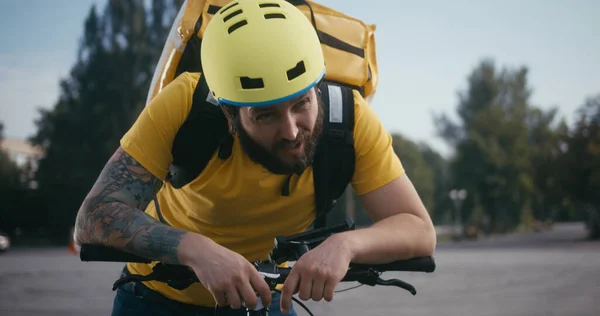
[{"x": 233, "y": 110}]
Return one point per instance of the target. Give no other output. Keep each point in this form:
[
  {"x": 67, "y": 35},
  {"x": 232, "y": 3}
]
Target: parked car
[{"x": 4, "y": 242}]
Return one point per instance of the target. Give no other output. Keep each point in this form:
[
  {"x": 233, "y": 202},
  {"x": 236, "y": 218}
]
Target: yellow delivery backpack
[
  {"x": 349, "y": 48},
  {"x": 348, "y": 45}
]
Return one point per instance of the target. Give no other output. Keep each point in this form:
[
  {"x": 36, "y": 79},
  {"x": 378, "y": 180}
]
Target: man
[{"x": 229, "y": 215}]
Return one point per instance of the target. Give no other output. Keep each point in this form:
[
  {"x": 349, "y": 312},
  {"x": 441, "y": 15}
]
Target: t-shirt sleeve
[
  {"x": 376, "y": 162},
  {"x": 150, "y": 138}
]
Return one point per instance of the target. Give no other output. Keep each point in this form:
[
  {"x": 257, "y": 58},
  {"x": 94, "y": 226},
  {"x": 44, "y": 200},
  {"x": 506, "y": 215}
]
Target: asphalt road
[{"x": 548, "y": 273}]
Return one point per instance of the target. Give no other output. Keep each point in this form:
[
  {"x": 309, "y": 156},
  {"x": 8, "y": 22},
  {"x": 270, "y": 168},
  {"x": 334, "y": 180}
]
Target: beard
[{"x": 269, "y": 159}]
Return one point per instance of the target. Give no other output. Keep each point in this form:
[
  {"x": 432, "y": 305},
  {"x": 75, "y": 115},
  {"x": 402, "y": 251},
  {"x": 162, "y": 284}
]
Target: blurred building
[{"x": 25, "y": 156}]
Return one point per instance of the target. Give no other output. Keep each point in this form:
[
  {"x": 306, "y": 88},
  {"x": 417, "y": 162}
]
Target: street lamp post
[{"x": 458, "y": 196}]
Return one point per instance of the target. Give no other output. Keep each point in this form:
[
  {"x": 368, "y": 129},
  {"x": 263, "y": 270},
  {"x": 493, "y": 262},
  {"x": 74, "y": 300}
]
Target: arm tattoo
[{"x": 113, "y": 212}]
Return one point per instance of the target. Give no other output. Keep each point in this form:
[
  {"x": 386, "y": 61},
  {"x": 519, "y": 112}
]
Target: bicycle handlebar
[
  {"x": 289, "y": 248},
  {"x": 90, "y": 252},
  {"x": 180, "y": 277}
]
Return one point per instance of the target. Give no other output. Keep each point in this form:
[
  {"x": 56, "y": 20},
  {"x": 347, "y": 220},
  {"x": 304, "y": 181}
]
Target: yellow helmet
[{"x": 258, "y": 53}]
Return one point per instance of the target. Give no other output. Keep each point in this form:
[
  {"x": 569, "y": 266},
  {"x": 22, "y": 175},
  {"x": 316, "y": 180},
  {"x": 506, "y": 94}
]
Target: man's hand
[
  {"x": 229, "y": 277},
  {"x": 316, "y": 274}
]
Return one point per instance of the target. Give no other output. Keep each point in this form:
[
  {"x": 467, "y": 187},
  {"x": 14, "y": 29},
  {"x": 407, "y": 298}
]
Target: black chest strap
[{"x": 335, "y": 159}]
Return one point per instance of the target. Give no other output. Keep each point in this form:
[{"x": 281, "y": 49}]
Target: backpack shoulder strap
[
  {"x": 203, "y": 132},
  {"x": 334, "y": 162}
]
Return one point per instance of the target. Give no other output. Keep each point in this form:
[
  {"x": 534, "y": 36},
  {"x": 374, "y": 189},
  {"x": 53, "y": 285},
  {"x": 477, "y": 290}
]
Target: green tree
[
  {"x": 549, "y": 201},
  {"x": 9, "y": 175},
  {"x": 99, "y": 100},
  {"x": 491, "y": 141},
  {"x": 580, "y": 163},
  {"x": 442, "y": 207},
  {"x": 12, "y": 190},
  {"x": 417, "y": 168}
]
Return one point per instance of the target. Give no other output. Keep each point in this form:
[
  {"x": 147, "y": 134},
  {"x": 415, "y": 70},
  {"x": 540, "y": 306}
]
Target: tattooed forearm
[
  {"x": 112, "y": 213},
  {"x": 124, "y": 227},
  {"x": 126, "y": 180}
]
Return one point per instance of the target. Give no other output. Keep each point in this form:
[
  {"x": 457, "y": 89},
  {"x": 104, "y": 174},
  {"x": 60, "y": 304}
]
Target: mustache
[{"x": 302, "y": 137}]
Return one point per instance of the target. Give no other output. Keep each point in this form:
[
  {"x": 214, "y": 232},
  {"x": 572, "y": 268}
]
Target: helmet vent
[
  {"x": 229, "y": 7},
  {"x": 237, "y": 26},
  {"x": 274, "y": 16},
  {"x": 227, "y": 18},
  {"x": 252, "y": 83},
  {"x": 269, "y": 5},
  {"x": 297, "y": 71}
]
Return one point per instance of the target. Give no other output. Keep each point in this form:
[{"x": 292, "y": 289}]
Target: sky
[{"x": 425, "y": 51}]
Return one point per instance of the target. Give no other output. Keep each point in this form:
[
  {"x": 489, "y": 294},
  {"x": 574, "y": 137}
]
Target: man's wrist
[
  {"x": 348, "y": 244},
  {"x": 192, "y": 244}
]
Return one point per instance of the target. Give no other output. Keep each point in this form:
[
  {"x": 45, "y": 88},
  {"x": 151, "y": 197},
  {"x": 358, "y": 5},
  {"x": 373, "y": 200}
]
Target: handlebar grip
[
  {"x": 90, "y": 252},
  {"x": 422, "y": 264}
]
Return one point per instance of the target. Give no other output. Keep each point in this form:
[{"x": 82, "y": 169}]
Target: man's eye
[
  {"x": 302, "y": 104},
  {"x": 263, "y": 117}
]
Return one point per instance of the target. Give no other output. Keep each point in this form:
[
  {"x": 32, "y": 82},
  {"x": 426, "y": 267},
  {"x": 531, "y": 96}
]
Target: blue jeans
[{"x": 134, "y": 298}]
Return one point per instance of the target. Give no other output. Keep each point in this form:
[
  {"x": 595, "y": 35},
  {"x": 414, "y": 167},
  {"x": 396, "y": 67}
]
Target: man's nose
[{"x": 289, "y": 129}]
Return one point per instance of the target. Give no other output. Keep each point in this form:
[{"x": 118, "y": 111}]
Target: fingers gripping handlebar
[
  {"x": 286, "y": 249},
  {"x": 364, "y": 274},
  {"x": 181, "y": 277},
  {"x": 289, "y": 248}
]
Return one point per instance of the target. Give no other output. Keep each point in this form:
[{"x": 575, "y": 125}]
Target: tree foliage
[
  {"x": 99, "y": 100},
  {"x": 579, "y": 163},
  {"x": 417, "y": 168},
  {"x": 16, "y": 199},
  {"x": 493, "y": 154},
  {"x": 8, "y": 169}
]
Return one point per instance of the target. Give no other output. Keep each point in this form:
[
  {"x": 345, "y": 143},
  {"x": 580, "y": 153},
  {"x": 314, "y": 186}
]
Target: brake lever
[
  {"x": 270, "y": 273},
  {"x": 398, "y": 283},
  {"x": 272, "y": 279},
  {"x": 371, "y": 277}
]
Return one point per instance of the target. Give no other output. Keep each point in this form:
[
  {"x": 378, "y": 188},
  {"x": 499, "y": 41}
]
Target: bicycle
[{"x": 286, "y": 249}]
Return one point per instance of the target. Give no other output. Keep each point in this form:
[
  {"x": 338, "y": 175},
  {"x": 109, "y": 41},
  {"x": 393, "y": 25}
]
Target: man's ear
[{"x": 230, "y": 119}]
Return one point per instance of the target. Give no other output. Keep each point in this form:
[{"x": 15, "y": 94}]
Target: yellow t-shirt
[{"x": 235, "y": 202}]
